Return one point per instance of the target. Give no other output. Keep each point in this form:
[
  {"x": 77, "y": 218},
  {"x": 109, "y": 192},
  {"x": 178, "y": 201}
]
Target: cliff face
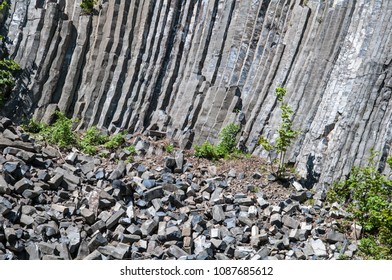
[{"x": 191, "y": 67}]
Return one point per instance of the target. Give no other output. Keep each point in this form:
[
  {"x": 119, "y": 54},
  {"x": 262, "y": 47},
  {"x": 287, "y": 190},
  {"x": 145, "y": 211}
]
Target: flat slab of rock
[
  {"x": 319, "y": 248},
  {"x": 26, "y": 146}
]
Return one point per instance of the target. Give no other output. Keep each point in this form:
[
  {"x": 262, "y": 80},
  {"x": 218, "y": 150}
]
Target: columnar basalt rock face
[{"x": 191, "y": 67}]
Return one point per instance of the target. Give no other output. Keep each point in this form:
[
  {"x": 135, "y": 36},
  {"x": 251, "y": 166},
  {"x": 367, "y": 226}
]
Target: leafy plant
[
  {"x": 286, "y": 134},
  {"x": 226, "y": 146},
  {"x": 34, "y": 126},
  {"x": 207, "y": 150},
  {"x": 91, "y": 139},
  {"x": 8, "y": 69},
  {"x": 228, "y": 138},
  {"x": 88, "y": 6},
  {"x": 60, "y": 133},
  {"x": 169, "y": 148},
  {"x": 3, "y": 5},
  {"x": 115, "y": 141},
  {"x": 131, "y": 149},
  {"x": 367, "y": 194}
]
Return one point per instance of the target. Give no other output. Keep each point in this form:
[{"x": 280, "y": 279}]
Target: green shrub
[
  {"x": 8, "y": 69},
  {"x": 367, "y": 194},
  {"x": 286, "y": 135},
  {"x": 88, "y": 6},
  {"x": 227, "y": 137},
  {"x": 225, "y": 147},
  {"x": 34, "y": 126},
  {"x": 3, "y": 6},
  {"x": 60, "y": 133},
  {"x": 207, "y": 150},
  {"x": 115, "y": 141},
  {"x": 91, "y": 139}
]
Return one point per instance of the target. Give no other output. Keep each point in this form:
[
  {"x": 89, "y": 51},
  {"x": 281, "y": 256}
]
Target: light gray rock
[
  {"x": 217, "y": 213},
  {"x": 33, "y": 251},
  {"x": 290, "y": 222},
  {"x": 334, "y": 236},
  {"x": 149, "y": 227},
  {"x": 117, "y": 252},
  {"x": 176, "y": 252},
  {"x": 113, "y": 220},
  {"x": 23, "y": 184},
  {"x": 319, "y": 248},
  {"x": 276, "y": 220},
  {"x": 4, "y": 187}
]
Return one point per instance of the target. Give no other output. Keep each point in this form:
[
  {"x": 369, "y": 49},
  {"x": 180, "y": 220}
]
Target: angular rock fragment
[
  {"x": 118, "y": 252},
  {"x": 113, "y": 220}
]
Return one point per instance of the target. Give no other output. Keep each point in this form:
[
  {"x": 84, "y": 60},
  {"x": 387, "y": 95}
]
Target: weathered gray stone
[
  {"x": 318, "y": 247},
  {"x": 10, "y": 235},
  {"x": 179, "y": 158},
  {"x": 299, "y": 196},
  {"x": 217, "y": 213},
  {"x": 97, "y": 241},
  {"x": 26, "y": 220},
  {"x": 4, "y": 187},
  {"x": 113, "y": 220},
  {"x": 118, "y": 252},
  {"x": 153, "y": 193},
  {"x": 95, "y": 255},
  {"x": 73, "y": 235},
  {"x": 50, "y": 152},
  {"x": 290, "y": 222},
  {"x": 33, "y": 251},
  {"x": 23, "y": 184},
  {"x": 88, "y": 215},
  {"x": 26, "y": 146},
  {"x": 334, "y": 236},
  {"x": 173, "y": 233},
  {"x": 56, "y": 180},
  {"x": 46, "y": 248},
  {"x": 176, "y": 252},
  {"x": 83, "y": 251},
  {"x": 149, "y": 227},
  {"x": 68, "y": 176},
  {"x": 276, "y": 219},
  {"x": 63, "y": 252},
  {"x": 200, "y": 244}
]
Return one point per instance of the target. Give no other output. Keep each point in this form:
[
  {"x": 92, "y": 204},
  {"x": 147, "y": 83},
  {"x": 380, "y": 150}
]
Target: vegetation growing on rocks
[
  {"x": 88, "y": 6},
  {"x": 91, "y": 139},
  {"x": 8, "y": 69},
  {"x": 224, "y": 148},
  {"x": 286, "y": 135},
  {"x": 3, "y": 5},
  {"x": 367, "y": 195},
  {"x": 60, "y": 133}
]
